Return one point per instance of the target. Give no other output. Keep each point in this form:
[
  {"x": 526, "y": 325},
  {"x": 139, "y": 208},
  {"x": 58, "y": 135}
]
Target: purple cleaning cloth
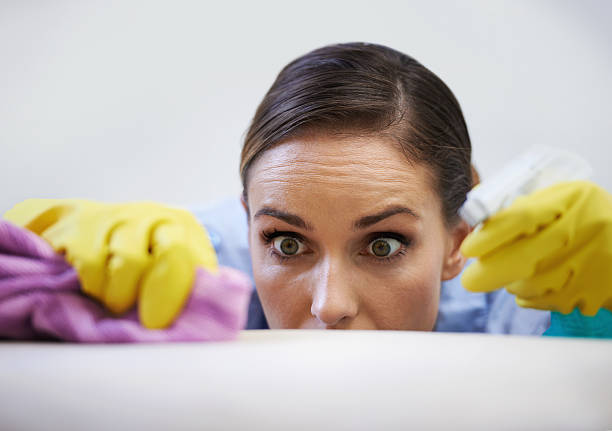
[{"x": 40, "y": 298}]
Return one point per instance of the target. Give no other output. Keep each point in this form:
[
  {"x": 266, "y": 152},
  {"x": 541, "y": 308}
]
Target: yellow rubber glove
[
  {"x": 552, "y": 249},
  {"x": 124, "y": 253}
]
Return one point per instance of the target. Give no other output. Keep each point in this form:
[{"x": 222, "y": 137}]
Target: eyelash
[
  {"x": 390, "y": 259},
  {"x": 405, "y": 244},
  {"x": 269, "y": 236}
]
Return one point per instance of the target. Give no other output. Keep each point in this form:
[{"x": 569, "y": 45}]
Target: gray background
[{"x": 150, "y": 100}]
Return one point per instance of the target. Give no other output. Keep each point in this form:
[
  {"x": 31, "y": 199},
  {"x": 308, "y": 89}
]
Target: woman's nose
[{"x": 334, "y": 297}]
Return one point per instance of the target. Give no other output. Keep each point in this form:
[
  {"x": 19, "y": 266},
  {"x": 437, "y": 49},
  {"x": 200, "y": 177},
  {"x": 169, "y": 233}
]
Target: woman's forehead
[
  {"x": 336, "y": 157},
  {"x": 324, "y": 170}
]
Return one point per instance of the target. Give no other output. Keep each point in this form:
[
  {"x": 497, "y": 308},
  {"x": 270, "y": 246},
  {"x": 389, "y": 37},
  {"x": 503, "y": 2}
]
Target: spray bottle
[{"x": 536, "y": 169}]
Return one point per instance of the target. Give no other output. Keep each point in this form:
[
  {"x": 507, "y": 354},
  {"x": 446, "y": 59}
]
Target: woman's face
[{"x": 346, "y": 233}]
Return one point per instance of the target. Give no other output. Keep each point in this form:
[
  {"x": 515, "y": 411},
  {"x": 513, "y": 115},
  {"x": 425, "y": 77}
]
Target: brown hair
[{"x": 364, "y": 88}]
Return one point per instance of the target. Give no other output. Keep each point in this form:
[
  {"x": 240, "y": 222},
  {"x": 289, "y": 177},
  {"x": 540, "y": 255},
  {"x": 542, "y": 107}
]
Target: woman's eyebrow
[
  {"x": 368, "y": 221},
  {"x": 289, "y": 218}
]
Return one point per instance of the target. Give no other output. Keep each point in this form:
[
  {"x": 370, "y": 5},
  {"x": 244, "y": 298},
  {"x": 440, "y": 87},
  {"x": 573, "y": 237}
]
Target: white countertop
[{"x": 311, "y": 380}]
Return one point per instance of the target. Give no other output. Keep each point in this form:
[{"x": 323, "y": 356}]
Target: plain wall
[{"x": 150, "y": 100}]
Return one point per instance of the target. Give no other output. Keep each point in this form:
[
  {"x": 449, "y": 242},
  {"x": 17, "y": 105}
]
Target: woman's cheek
[
  {"x": 430, "y": 292},
  {"x": 419, "y": 294},
  {"x": 425, "y": 310},
  {"x": 281, "y": 293}
]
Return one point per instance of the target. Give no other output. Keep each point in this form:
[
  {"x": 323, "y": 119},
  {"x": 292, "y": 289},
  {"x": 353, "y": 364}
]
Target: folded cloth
[{"x": 40, "y": 298}]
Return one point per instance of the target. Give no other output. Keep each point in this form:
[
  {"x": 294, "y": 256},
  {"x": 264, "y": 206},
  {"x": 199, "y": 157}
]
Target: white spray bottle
[{"x": 537, "y": 168}]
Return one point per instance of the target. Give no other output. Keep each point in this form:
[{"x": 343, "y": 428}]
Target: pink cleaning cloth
[{"x": 40, "y": 298}]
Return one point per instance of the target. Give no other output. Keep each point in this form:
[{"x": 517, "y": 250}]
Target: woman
[{"x": 354, "y": 167}]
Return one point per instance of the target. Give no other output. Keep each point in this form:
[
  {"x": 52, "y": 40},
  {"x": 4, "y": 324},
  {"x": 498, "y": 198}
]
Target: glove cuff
[{"x": 576, "y": 324}]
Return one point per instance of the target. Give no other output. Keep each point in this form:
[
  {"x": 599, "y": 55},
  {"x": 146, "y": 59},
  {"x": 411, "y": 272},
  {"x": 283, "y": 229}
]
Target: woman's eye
[
  {"x": 384, "y": 247},
  {"x": 287, "y": 245}
]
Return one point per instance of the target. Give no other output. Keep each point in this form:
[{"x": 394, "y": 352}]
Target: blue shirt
[{"x": 459, "y": 310}]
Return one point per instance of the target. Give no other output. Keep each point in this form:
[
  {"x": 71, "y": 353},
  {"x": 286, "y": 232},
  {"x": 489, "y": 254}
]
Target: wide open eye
[
  {"x": 288, "y": 246},
  {"x": 384, "y": 247}
]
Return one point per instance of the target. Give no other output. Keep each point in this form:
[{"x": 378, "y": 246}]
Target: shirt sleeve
[
  {"x": 227, "y": 226},
  {"x": 494, "y": 312}
]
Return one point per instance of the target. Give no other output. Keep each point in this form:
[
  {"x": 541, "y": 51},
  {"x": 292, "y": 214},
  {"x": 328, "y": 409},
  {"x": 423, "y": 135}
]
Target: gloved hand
[
  {"x": 124, "y": 253},
  {"x": 552, "y": 249}
]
